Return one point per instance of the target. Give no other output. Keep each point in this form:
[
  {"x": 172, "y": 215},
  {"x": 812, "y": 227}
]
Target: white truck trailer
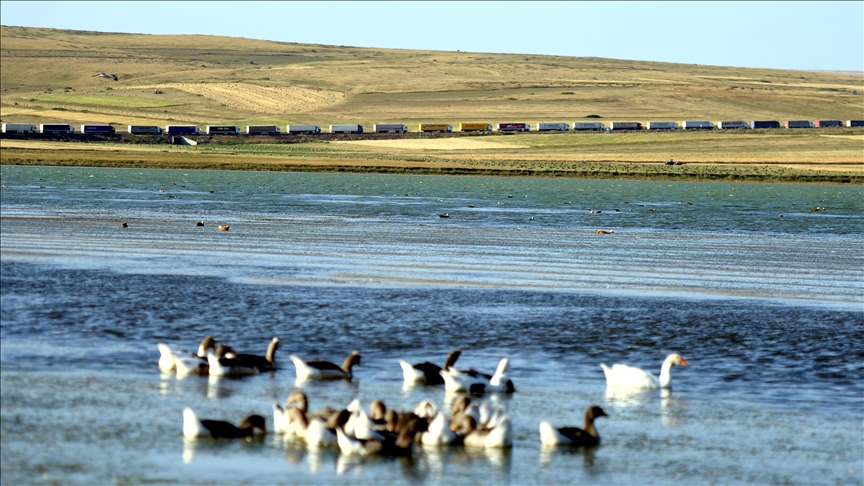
[
  {"x": 303, "y": 129},
  {"x": 553, "y": 127},
  {"x": 733, "y": 125},
  {"x": 389, "y": 128},
  {"x": 589, "y": 126},
  {"x": 662, "y": 125},
  {"x": 19, "y": 128}
]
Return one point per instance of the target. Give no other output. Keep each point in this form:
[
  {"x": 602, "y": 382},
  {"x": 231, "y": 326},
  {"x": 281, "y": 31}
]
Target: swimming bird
[
  {"x": 224, "y": 363},
  {"x": 224, "y": 227},
  {"x": 573, "y": 436},
  {"x": 124, "y": 225},
  {"x": 261, "y": 363},
  {"x": 199, "y": 223},
  {"x": 438, "y": 433},
  {"x": 169, "y": 360},
  {"x": 605, "y": 232},
  {"x": 218, "y": 429},
  {"x": 109, "y": 76},
  {"x": 476, "y": 382},
  {"x": 499, "y": 436},
  {"x": 325, "y": 370},
  {"x": 445, "y": 215},
  {"x": 628, "y": 376},
  {"x": 427, "y": 373},
  {"x": 400, "y": 444}
]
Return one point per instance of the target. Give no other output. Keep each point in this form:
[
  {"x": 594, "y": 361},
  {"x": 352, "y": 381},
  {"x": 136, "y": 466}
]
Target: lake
[{"x": 766, "y": 309}]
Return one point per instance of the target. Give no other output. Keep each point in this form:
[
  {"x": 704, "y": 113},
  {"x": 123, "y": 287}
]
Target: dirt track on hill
[{"x": 255, "y": 98}]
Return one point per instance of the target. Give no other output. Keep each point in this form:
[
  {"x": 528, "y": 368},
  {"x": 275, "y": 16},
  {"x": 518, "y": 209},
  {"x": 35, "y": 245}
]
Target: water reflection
[
  {"x": 549, "y": 454},
  {"x": 628, "y": 397}
]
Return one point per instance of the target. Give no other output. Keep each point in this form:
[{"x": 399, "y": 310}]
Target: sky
[{"x": 781, "y": 35}]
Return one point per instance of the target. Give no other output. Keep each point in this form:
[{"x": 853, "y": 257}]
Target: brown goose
[
  {"x": 573, "y": 436},
  {"x": 262, "y": 363},
  {"x": 325, "y": 370},
  {"x": 218, "y": 429},
  {"x": 428, "y": 373}
]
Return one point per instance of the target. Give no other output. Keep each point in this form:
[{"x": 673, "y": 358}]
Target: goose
[
  {"x": 168, "y": 359},
  {"x": 499, "y": 436},
  {"x": 217, "y": 429},
  {"x": 400, "y": 444},
  {"x": 476, "y": 382},
  {"x": 628, "y": 376},
  {"x": 325, "y": 370},
  {"x": 426, "y": 409},
  {"x": 438, "y": 433},
  {"x": 225, "y": 363},
  {"x": 573, "y": 436},
  {"x": 427, "y": 373},
  {"x": 359, "y": 425},
  {"x": 315, "y": 431},
  {"x": 302, "y": 403},
  {"x": 262, "y": 363}
]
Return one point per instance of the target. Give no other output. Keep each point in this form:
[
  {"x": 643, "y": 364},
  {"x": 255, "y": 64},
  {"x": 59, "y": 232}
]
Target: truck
[
  {"x": 263, "y": 130},
  {"x": 697, "y": 125},
  {"x": 435, "y": 127},
  {"x": 514, "y": 127},
  {"x": 389, "y": 128},
  {"x": 732, "y": 125},
  {"x": 828, "y": 123},
  {"x": 798, "y": 124},
  {"x": 765, "y": 124},
  {"x": 662, "y": 125},
  {"x": 553, "y": 127},
  {"x": 854, "y": 123},
  {"x": 97, "y": 129},
  {"x": 346, "y": 128},
  {"x": 19, "y": 128},
  {"x": 303, "y": 129},
  {"x": 618, "y": 126},
  {"x": 589, "y": 126},
  {"x": 182, "y": 130},
  {"x": 475, "y": 127},
  {"x": 145, "y": 130},
  {"x": 222, "y": 130},
  {"x": 56, "y": 128}
]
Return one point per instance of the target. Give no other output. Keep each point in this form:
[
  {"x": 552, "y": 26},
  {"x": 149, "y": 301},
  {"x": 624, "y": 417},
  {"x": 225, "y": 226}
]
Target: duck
[
  {"x": 497, "y": 437},
  {"x": 124, "y": 225},
  {"x": 225, "y": 363},
  {"x": 476, "y": 382},
  {"x": 605, "y": 232},
  {"x": 427, "y": 373},
  {"x": 193, "y": 364},
  {"x": 325, "y": 370},
  {"x": 573, "y": 436},
  {"x": 218, "y": 429},
  {"x": 262, "y": 363},
  {"x": 628, "y": 376},
  {"x": 445, "y": 215},
  {"x": 199, "y": 223},
  {"x": 224, "y": 227}
]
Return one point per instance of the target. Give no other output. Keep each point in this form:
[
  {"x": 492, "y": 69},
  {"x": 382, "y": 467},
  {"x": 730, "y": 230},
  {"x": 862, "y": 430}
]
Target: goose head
[{"x": 254, "y": 422}]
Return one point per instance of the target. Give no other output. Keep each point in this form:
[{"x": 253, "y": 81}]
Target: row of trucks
[{"x": 352, "y": 128}]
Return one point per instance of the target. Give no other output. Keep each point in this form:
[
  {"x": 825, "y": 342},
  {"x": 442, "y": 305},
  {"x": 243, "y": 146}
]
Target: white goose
[
  {"x": 627, "y": 376},
  {"x": 438, "y": 433},
  {"x": 500, "y": 436},
  {"x": 170, "y": 360},
  {"x": 476, "y": 382}
]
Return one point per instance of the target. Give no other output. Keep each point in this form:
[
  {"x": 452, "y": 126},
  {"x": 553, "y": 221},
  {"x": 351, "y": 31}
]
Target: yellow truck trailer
[
  {"x": 435, "y": 127},
  {"x": 475, "y": 127}
]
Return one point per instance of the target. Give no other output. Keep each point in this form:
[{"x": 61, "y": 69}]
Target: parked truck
[
  {"x": 346, "y": 128},
  {"x": 553, "y": 127},
  {"x": 732, "y": 125},
  {"x": 182, "y": 130},
  {"x": 589, "y": 126},
  {"x": 828, "y": 123},
  {"x": 263, "y": 130},
  {"x": 389, "y": 128},
  {"x": 145, "y": 130},
  {"x": 435, "y": 127},
  {"x": 618, "y": 126},
  {"x": 56, "y": 128},
  {"x": 697, "y": 125},
  {"x": 222, "y": 130},
  {"x": 662, "y": 125},
  {"x": 475, "y": 127},
  {"x": 765, "y": 124},
  {"x": 798, "y": 124},
  {"x": 19, "y": 128},
  {"x": 514, "y": 127},
  {"x": 303, "y": 129}
]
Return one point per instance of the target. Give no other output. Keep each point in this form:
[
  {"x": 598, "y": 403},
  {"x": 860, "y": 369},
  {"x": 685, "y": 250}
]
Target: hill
[{"x": 48, "y": 75}]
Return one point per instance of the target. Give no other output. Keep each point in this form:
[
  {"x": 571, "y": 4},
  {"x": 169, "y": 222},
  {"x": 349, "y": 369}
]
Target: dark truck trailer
[
  {"x": 222, "y": 130},
  {"x": 799, "y": 124},
  {"x": 514, "y": 127},
  {"x": 828, "y": 123},
  {"x": 765, "y": 124},
  {"x": 97, "y": 129},
  {"x": 854, "y": 123},
  {"x": 182, "y": 130},
  {"x": 56, "y": 128}
]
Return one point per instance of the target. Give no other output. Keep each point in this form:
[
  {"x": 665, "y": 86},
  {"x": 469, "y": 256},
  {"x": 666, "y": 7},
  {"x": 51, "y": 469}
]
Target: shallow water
[{"x": 767, "y": 310}]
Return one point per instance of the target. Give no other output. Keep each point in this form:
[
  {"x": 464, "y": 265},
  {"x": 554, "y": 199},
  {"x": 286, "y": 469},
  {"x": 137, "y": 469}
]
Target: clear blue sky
[{"x": 785, "y": 35}]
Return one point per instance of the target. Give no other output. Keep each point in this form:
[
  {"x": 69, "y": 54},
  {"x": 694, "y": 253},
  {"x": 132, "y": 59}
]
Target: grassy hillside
[{"x": 47, "y": 75}]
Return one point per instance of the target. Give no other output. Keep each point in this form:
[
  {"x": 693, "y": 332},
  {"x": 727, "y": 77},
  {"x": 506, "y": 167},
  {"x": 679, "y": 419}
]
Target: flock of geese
[{"x": 383, "y": 431}]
